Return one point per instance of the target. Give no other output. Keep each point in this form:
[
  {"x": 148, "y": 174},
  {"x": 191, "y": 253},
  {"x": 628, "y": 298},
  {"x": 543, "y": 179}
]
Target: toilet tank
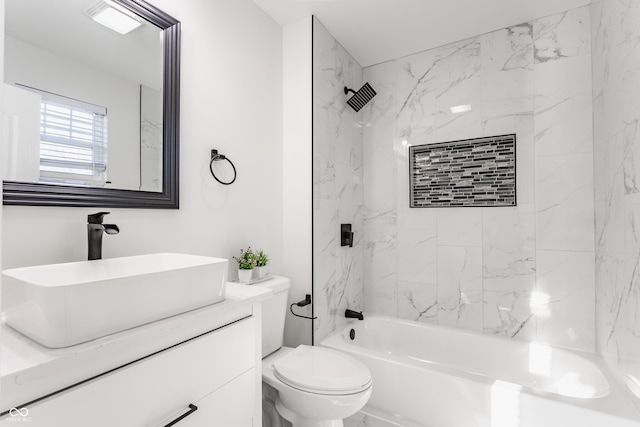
[{"x": 274, "y": 311}]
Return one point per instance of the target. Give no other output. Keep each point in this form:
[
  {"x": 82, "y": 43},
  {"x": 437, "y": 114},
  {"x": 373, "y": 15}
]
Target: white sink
[{"x": 60, "y": 305}]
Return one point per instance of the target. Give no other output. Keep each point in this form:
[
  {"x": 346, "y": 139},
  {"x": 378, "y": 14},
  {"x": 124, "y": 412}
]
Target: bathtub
[{"x": 425, "y": 375}]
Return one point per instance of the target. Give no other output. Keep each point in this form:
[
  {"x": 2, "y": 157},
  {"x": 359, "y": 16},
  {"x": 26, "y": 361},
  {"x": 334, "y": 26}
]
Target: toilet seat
[{"x": 322, "y": 371}]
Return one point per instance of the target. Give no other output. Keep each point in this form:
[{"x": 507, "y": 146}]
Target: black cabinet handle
[{"x": 192, "y": 409}]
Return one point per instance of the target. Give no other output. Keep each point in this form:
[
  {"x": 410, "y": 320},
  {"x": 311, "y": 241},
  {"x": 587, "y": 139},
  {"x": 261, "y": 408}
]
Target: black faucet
[
  {"x": 95, "y": 228},
  {"x": 351, "y": 314}
]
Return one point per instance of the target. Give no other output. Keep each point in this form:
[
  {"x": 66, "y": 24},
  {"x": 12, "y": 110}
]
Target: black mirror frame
[{"x": 37, "y": 194}]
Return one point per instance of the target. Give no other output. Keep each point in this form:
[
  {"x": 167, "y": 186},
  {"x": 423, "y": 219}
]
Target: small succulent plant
[
  {"x": 246, "y": 260},
  {"x": 262, "y": 258}
]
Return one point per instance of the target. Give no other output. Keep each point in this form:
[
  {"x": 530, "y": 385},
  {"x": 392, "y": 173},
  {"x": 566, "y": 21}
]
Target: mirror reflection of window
[
  {"x": 63, "y": 48},
  {"x": 71, "y": 146},
  {"x": 73, "y": 142}
]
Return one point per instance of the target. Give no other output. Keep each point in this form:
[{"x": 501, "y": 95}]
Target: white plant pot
[
  {"x": 261, "y": 272},
  {"x": 244, "y": 276}
]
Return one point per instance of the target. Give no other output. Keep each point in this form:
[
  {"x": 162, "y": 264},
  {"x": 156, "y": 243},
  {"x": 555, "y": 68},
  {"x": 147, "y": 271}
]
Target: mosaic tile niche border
[{"x": 471, "y": 172}]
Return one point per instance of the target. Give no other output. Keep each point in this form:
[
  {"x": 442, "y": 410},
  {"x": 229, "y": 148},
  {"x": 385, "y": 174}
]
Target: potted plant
[
  {"x": 262, "y": 261},
  {"x": 246, "y": 262}
]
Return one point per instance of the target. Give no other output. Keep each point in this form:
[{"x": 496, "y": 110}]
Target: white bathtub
[{"x": 443, "y": 377}]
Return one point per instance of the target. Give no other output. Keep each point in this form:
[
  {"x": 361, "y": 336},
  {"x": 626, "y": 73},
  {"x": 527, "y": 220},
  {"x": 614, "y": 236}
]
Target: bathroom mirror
[{"x": 91, "y": 115}]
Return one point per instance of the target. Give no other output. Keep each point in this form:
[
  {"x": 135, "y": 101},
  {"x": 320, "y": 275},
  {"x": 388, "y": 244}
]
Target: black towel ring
[{"x": 215, "y": 157}]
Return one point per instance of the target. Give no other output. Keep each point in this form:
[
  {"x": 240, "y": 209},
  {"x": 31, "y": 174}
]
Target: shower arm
[{"x": 347, "y": 90}]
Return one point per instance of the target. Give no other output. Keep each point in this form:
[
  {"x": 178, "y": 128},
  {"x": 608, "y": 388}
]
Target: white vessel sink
[{"x": 60, "y": 305}]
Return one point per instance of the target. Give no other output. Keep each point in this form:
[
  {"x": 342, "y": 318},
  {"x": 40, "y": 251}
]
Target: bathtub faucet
[{"x": 351, "y": 314}]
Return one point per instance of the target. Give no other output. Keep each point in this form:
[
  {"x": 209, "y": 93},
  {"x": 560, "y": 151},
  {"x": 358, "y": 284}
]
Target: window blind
[{"x": 73, "y": 142}]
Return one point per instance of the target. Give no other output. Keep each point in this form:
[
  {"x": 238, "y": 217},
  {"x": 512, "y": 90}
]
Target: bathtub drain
[{"x": 352, "y": 334}]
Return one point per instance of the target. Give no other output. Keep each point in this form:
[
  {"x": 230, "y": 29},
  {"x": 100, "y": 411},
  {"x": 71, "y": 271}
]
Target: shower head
[{"x": 361, "y": 97}]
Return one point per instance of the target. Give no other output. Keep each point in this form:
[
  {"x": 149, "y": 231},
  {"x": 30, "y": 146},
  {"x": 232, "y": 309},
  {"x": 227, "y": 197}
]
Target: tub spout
[{"x": 351, "y": 314}]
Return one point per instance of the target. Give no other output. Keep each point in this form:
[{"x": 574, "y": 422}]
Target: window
[{"x": 73, "y": 141}]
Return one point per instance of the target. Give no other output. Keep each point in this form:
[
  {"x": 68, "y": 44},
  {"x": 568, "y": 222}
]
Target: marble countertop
[{"x": 30, "y": 371}]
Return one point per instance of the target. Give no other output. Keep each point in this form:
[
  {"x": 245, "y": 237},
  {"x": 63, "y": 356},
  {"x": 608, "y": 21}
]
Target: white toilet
[{"x": 306, "y": 386}]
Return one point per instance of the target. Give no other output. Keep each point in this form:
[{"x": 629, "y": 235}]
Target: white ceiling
[{"x": 374, "y": 31}]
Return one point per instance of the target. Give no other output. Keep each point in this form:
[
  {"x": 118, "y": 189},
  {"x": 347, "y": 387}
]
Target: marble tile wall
[
  {"x": 616, "y": 94},
  {"x": 337, "y": 184},
  {"x": 526, "y": 271},
  {"x": 150, "y": 139}
]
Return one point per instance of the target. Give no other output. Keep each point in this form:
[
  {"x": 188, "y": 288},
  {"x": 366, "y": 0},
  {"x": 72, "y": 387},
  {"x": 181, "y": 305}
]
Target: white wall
[
  {"x": 231, "y": 99},
  {"x": 297, "y": 174},
  {"x": 21, "y": 143}
]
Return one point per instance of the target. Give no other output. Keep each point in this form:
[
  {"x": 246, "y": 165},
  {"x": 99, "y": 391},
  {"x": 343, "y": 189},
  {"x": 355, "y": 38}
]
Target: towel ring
[{"x": 215, "y": 157}]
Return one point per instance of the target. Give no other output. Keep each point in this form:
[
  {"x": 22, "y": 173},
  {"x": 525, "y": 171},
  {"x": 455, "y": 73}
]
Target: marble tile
[
  {"x": 350, "y": 263},
  {"x": 631, "y": 143},
  {"x": 402, "y": 174},
  {"x": 509, "y": 314},
  {"x": 456, "y": 62},
  {"x": 417, "y": 246},
  {"x": 611, "y": 280},
  {"x": 358, "y": 188},
  {"x": 380, "y": 112},
  {"x": 380, "y": 261},
  {"x": 497, "y": 120},
  {"x": 616, "y": 72},
  {"x": 563, "y": 106},
  {"x": 451, "y": 126},
  {"x": 476, "y": 268},
  {"x": 610, "y": 222},
  {"x": 565, "y": 288},
  {"x": 337, "y": 185},
  {"x": 379, "y": 117},
  {"x": 564, "y": 202},
  {"x": 408, "y": 137},
  {"x": 609, "y": 193},
  {"x": 334, "y": 68},
  {"x": 326, "y": 124},
  {"x": 325, "y": 257},
  {"x": 431, "y": 82},
  {"x": 348, "y": 140},
  {"x": 562, "y": 35},
  {"x": 508, "y": 249},
  {"x": 344, "y": 192},
  {"x": 507, "y": 49},
  {"x": 150, "y": 139},
  {"x": 460, "y": 287},
  {"x": 507, "y": 64},
  {"x": 625, "y": 324},
  {"x": 351, "y": 270},
  {"x": 418, "y": 301},
  {"x": 380, "y": 188},
  {"x": 380, "y": 276},
  {"x": 342, "y": 289},
  {"x": 632, "y": 224},
  {"x": 416, "y": 99},
  {"x": 460, "y": 226}
]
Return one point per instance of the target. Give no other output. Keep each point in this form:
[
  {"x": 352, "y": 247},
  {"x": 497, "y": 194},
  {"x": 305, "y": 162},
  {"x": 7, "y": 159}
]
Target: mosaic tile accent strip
[{"x": 471, "y": 172}]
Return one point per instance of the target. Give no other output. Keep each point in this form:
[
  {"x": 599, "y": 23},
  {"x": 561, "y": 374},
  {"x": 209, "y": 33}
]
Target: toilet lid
[{"x": 322, "y": 370}]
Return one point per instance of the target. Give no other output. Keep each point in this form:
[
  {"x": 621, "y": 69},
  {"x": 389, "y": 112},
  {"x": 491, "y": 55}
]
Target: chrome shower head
[{"x": 361, "y": 97}]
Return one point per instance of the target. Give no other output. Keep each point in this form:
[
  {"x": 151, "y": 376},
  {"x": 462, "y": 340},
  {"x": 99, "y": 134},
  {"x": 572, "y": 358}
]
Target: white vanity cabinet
[{"x": 216, "y": 372}]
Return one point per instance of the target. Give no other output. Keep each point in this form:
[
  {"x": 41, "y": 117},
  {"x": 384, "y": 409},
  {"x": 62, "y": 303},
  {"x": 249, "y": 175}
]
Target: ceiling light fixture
[{"x": 113, "y": 17}]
